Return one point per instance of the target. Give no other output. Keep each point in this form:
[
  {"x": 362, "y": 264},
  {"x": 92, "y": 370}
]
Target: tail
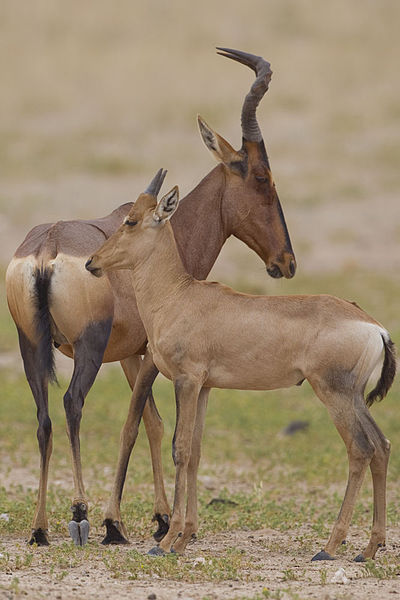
[
  {"x": 387, "y": 374},
  {"x": 45, "y": 346}
]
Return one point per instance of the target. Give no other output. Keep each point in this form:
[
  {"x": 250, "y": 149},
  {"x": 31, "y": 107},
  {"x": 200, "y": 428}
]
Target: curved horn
[
  {"x": 262, "y": 68},
  {"x": 154, "y": 187}
]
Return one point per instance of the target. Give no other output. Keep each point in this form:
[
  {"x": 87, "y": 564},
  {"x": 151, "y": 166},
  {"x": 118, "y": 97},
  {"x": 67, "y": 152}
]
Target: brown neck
[
  {"x": 198, "y": 225},
  {"x": 159, "y": 277}
]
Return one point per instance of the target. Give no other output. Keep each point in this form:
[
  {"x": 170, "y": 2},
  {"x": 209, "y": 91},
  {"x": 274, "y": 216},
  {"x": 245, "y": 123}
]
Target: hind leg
[
  {"x": 378, "y": 466},
  {"x": 346, "y": 412},
  {"x": 39, "y": 386},
  {"x": 88, "y": 356}
]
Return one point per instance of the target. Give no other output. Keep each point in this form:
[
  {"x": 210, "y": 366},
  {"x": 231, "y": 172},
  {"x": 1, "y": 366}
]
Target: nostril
[
  {"x": 274, "y": 271},
  {"x": 292, "y": 268},
  {"x": 88, "y": 263}
]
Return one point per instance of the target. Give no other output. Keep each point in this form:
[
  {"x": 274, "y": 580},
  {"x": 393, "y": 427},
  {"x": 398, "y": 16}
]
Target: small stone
[
  {"x": 152, "y": 597},
  {"x": 340, "y": 577}
]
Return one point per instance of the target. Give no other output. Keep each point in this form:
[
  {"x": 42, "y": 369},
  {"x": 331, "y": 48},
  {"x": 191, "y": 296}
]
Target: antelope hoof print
[
  {"x": 39, "y": 537},
  {"x": 163, "y": 526},
  {"x": 322, "y": 556},
  {"x": 79, "y": 532},
  {"x": 114, "y": 533}
]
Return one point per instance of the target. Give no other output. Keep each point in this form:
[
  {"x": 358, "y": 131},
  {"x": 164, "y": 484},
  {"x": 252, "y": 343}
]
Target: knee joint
[
  {"x": 73, "y": 408},
  {"x": 44, "y": 430}
]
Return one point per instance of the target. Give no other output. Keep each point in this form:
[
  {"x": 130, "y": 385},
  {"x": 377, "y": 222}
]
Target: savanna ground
[{"x": 95, "y": 98}]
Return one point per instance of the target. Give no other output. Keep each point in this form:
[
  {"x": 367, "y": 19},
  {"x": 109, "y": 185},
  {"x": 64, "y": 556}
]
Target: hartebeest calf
[
  {"x": 203, "y": 334},
  {"x": 54, "y": 300}
]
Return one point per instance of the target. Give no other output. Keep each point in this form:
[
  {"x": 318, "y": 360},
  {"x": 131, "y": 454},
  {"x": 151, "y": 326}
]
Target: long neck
[
  {"x": 159, "y": 278},
  {"x": 198, "y": 225}
]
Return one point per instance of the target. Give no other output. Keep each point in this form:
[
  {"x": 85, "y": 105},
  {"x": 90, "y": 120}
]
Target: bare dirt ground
[{"x": 269, "y": 570}]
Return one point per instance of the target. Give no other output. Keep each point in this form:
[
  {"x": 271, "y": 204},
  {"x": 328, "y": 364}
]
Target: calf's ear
[{"x": 167, "y": 205}]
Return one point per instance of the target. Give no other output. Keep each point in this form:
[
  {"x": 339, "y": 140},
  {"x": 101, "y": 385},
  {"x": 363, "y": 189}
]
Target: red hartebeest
[
  {"x": 203, "y": 334},
  {"x": 54, "y": 301}
]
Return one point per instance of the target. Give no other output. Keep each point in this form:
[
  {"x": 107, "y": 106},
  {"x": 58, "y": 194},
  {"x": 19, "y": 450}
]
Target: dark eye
[
  {"x": 130, "y": 222},
  {"x": 261, "y": 178}
]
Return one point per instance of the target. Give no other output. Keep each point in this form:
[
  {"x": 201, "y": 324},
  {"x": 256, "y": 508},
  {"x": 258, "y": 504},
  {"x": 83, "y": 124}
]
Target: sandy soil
[{"x": 269, "y": 571}]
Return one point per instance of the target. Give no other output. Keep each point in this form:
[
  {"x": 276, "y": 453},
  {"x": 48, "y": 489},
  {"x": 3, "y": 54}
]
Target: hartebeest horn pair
[
  {"x": 56, "y": 303},
  {"x": 203, "y": 335}
]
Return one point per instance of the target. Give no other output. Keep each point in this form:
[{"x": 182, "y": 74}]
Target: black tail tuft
[
  {"x": 43, "y": 323},
  {"x": 387, "y": 375}
]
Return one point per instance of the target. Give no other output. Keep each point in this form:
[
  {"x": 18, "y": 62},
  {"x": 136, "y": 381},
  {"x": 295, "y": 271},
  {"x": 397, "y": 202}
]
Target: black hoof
[
  {"x": 79, "y": 532},
  {"x": 163, "y": 526},
  {"x": 39, "y": 537},
  {"x": 359, "y": 558},
  {"x": 322, "y": 556},
  {"x": 79, "y": 512},
  {"x": 156, "y": 551},
  {"x": 113, "y": 535}
]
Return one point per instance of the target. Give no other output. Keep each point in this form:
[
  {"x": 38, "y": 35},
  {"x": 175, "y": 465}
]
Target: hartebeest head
[
  {"x": 251, "y": 205},
  {"x": 127, "y": 245}
]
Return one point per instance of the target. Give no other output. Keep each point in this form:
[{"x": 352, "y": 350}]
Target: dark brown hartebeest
[{"x": 54, "y": 301}]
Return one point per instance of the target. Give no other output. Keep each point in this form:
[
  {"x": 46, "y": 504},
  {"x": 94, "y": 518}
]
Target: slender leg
[
  {"x": 88, "y": 357},
  {"x": 116, "y": 533},
  {"x": 39, "y": 386},
  {"x": 155, "y": 432},
  {"x": 345, "y": 413},
  {"x": 378, "y": 466},
  {"x": 186, "y": 391},
  {"x": 191, "y": 521}
]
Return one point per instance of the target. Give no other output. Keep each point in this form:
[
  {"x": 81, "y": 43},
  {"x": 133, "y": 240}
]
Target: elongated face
[
  {"x": 254, "y": 211},
  {"x": 135, "y": 238},
  {"x": 250, "y": 205}
]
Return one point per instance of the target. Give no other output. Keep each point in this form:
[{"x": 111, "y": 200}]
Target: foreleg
[
  {"x": 116, "y": 533},
  {"x": 191, "y": 521},
  {"x": 186, "y": 393}
]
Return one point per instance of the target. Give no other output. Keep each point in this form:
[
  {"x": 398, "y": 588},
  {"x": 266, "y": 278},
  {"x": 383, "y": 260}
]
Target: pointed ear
[
  {"x": 167, "y": 205},
  {"x": 219, "y": 148}
]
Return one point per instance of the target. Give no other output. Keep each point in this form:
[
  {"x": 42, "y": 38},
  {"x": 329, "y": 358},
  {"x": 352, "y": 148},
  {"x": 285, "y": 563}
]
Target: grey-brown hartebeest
[
  {"x": 54, "y": 300},
  {"x": 203, "y": 334}
]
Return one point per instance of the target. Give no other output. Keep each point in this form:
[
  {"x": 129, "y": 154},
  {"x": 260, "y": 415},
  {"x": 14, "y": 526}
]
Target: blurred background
[{"x": 97, "y": 96}]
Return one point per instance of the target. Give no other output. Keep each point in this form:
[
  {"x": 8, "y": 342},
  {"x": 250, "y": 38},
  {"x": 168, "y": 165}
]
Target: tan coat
[{"x": 203, "y": 334}]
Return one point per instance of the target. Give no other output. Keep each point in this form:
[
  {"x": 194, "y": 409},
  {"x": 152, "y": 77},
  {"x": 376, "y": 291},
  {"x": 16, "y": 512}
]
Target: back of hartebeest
[
  {"x": 50, "y": 297},
  {"x": 28, "y": 294}
]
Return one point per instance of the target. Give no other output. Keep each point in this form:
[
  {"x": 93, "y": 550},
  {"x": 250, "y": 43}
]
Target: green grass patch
[{"x": 251, "y": 477}]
